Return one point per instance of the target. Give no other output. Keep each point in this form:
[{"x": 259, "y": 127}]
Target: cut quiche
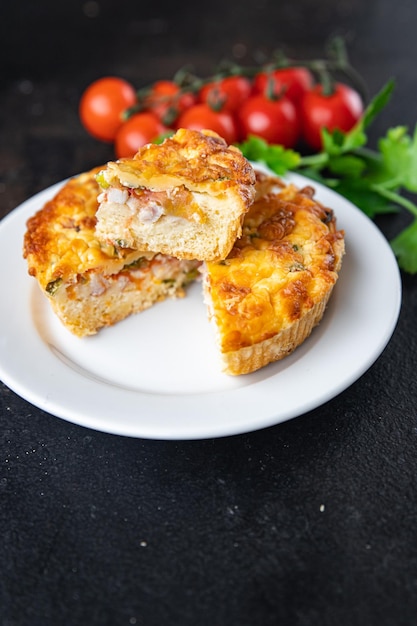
[
  {"x": 91, "y": 285},
  {"x": 185, "y": 197},
  {"x": 265, "y": 298}
]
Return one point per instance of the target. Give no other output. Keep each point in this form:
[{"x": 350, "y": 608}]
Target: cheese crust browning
[
  {"x": 273, "y": 288},
  {"x": 91, "y": 285},
  {"x": 186, "y": 197}
]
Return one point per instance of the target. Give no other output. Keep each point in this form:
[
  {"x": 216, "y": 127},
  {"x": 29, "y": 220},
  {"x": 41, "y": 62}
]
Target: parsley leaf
[
  {"x": 405, "y": 248},
  {"x": 399, "y": 158},
  {"x": 276, "y": 157},
  {"x": 369, "y": 200}
]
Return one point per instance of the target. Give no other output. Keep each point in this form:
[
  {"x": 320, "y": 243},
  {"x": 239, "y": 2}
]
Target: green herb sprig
[{"x": 375, "y": 180}]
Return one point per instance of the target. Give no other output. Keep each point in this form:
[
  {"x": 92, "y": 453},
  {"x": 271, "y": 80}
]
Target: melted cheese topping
[
  {"x": 60, "y": 243},
  {"x": 285, "y": 262},
  {"x": 199, "y": 161}
]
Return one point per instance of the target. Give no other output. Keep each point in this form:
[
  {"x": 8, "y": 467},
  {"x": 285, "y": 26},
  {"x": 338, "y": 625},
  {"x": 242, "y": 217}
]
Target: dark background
[{"x": 309, "y": 522}]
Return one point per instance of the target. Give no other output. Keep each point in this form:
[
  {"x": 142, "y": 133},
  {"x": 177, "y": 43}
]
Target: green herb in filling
[{"x": 53, "y": 286}]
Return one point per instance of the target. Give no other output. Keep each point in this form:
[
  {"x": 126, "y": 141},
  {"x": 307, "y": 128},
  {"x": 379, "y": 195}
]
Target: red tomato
[
  {"x": 138, "y": 130},
  {"x": 226, "y": 94},
  {"x": 340, "y": 110},
  {"x": 276, "y": 121},
  {"x": 167, "y": 102},
  {"x": 102, "y": 105},
  {"x": 201, "y": 116},
  {"x": 292, "y": 82}
]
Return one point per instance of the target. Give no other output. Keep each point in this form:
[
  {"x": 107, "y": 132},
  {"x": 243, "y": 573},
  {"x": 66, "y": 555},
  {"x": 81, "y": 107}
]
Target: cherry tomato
[
  {"x": 226, "y": 94},
  {"x": 292, "y": 82},
  {"x": 276, "y": 121},
  {"x": 201, "y": 116},
  {"x": 102, "y": 104},
  {"x": 138, "y": 130},
  {"x": 340, "y": 110},
  {"x": 166, "y": 101}
]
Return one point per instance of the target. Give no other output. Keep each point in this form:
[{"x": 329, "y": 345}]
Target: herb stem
[
  {"x": 318, "y": 160},
  {"x": 396, "y": 198},
  {"x": 368, "y": 154}
]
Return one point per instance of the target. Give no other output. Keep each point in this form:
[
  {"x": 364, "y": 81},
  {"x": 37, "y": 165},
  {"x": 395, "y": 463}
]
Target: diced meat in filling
[{"x": 150, "y": 205}]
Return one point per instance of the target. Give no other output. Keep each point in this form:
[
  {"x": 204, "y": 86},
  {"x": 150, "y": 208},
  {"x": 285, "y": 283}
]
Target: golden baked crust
[
  {"x": 91, "y": 285},
  {"x": 272, "y": 289},
  {"x": 185, "y": 197}
]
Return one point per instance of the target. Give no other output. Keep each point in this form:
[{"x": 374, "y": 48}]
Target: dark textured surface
[{"x": 312, "y": 522}]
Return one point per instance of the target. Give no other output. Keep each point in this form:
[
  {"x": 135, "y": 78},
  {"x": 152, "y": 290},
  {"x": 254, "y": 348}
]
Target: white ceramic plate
[{"x": 156, "y": 375}]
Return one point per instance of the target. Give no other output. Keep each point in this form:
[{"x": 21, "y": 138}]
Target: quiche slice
[
  {"x": 185, "y": 197},
  {"x": 90, "y": 284},
  {"x": 269, "y": 293}
]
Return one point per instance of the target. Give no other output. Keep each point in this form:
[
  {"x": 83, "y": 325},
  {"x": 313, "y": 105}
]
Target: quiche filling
[
  {"x": 149, "y": 205},
  {"x": 160, "y": 269}
]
